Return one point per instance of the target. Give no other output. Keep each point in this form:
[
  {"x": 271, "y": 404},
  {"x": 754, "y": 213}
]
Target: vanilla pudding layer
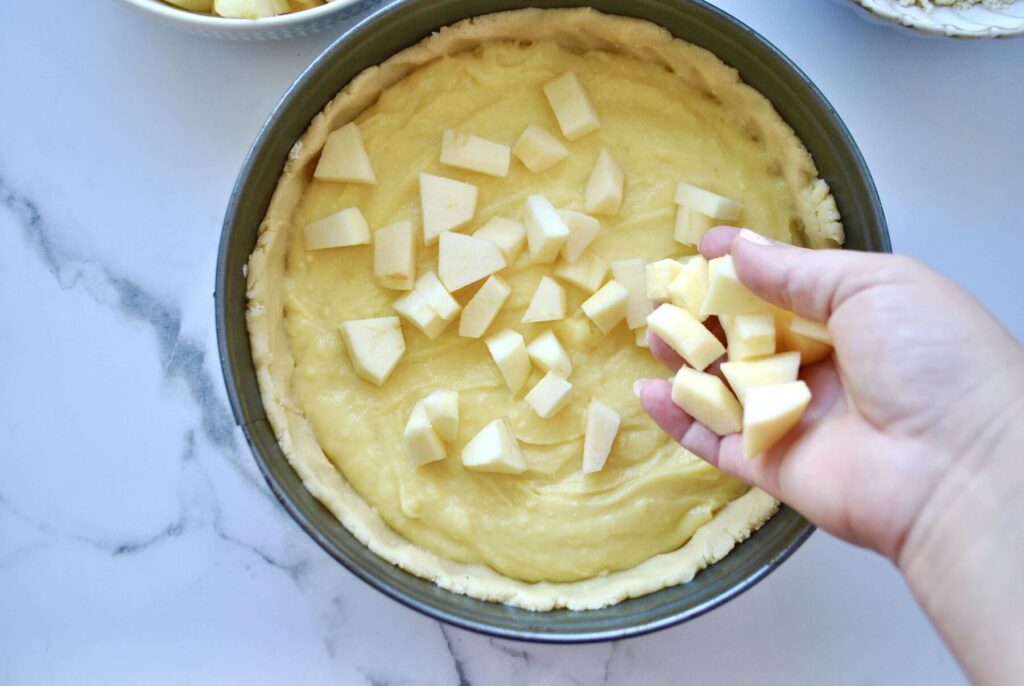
[{"x": 552, "y": 537}]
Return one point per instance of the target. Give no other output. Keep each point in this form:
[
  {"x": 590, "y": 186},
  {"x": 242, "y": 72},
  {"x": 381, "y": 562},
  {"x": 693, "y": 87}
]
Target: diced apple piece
[
  {"x": 250, "y": 9},
  {"x": 601, "y": 428},
  {"x": 659, "y": 275},
  {"x": 338, "y": 230},
  {"x": 770, "y": 412},
  {"x": 443, "y": 411},
  {"x": 463, "y": 260},
  {"x": 546, "y": 232},
  {"x": 549, "y": 396},
  {"x": 572, "y": 107},
  {"x": 548, "y": 355},
  {"x": 474, "y": 153},
  {"x": 508, "y": 235},
  {"x": 691, "y": 226},
  {"x": 394, "y": 256},
  {"x": 688, "y": 337},
  {"x": 810, "y": 350},
  {"x": 495, "y": 449},
  {"x": 480, "y": 311},
  {"x": 538, "y": 150},
  {"x": 816, "y": 331},
  {"x": 608, "y": 306},
  {"x": 583, "y": 229},
  {"x": 603, "y": 193},
  {"x": 548, "y": 302},
  {"x": 748, "y": 335},
  {"x": 587, "y": 273},
  {"x": 641, "y": 337},
  {"x": 767, "y": 371},
  {"x": 707, "y": 399},
  {"x": 422, "y": 441},
  {"x": 447, "y": 205},
  {"x": 415, "y": 308},
  {"x": 708, "y": 203},
  {"x": 633, "y": 275},
  {"x": 374, "y": 345},
  {"x": 508, "y": 349},
  {"x": 726, "y": 293},
  {"x": 437, "y": 296},
  {"x": 344, "y": 155},
  {"x": 690, "y": 287}
]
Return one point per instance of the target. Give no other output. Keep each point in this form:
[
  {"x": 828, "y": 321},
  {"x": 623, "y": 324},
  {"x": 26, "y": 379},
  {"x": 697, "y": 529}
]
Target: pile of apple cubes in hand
[
  {"x": 561, "y": 237},
  {"x": 771, "y": 400}
]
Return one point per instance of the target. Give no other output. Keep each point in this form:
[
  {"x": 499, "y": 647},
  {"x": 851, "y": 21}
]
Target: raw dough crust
[{"x": 577, "y": 30}]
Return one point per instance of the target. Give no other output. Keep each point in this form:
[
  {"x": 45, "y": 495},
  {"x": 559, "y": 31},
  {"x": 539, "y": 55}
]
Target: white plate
[
  {"x": 970, "y": 22},
  {"x": 290, "y": 25}
]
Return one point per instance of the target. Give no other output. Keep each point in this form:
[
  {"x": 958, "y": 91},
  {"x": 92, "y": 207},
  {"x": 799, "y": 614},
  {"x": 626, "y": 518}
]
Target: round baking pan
[{"x": 389, "y": 29}]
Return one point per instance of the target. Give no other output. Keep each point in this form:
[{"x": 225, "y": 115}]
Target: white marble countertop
[{"x": 138, "y": 543}]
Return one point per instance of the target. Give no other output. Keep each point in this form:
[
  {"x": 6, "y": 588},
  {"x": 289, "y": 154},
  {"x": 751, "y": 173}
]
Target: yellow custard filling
[{"x": 552, "y": 523}]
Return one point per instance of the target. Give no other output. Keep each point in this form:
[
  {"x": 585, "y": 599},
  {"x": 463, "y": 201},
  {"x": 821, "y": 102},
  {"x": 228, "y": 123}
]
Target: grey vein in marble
[
  {"x": 460, "y": 668},
  {"x": 187, "y": 520},
  {"x": 180, "y": 358},
  {"x": 615, "y": 653},
  {"x": 13, "y": 555},
  {"x": 294, "y": 569},
  {"x": 175, "y": 528},
  {"x": 334, "y": 624},
  {"x": 511, "y": 652}
]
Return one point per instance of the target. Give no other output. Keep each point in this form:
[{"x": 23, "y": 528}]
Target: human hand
[
  {"x": 912, "y": 443},
  {"x": 921, "y": 376}
]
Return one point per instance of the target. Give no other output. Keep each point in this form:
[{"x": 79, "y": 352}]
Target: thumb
[{"x": 810, "y": 283}]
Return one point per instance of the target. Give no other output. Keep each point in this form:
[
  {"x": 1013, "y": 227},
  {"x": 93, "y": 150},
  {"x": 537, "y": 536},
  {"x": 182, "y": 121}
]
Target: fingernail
[
  {"x": 638, "y": 386},
  {"x": 755, "y": 238}
]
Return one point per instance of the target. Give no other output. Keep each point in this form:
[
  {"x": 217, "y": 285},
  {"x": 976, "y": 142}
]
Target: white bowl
[
  {"x": 976, "y": 21},
  {"x": 291, "y": 25}
]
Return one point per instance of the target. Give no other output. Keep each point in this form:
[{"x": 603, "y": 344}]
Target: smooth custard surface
[{"x": 552, "y": 523}]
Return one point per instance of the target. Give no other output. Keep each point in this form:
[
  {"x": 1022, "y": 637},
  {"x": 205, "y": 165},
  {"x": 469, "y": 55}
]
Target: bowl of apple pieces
[
  {"x": 253, "y": 20},
  {"x": 439, "y": 271}
]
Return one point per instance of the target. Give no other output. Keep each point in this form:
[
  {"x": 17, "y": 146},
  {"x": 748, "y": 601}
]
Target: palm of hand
[{"x": 883, "y": 425}]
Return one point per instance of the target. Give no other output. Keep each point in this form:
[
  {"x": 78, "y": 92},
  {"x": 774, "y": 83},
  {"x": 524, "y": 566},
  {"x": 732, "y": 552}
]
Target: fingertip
[
  {"x": 638, "y": 387},
  {"x": 718, "y": 241},
  {"x": 663, "y": 352},
  {"x": 656, "y": 397},
  {"x": 749, "y": 248}
]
